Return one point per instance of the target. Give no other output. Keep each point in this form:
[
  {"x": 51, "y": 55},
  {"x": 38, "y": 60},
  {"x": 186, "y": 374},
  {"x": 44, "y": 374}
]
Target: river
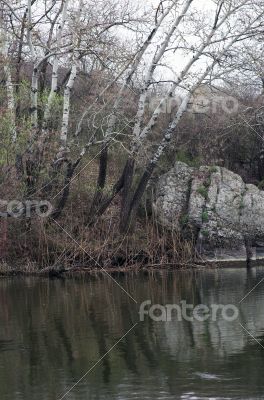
[{"x": 82, "y": 338}]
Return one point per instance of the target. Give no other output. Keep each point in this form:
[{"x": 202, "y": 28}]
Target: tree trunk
[
  {"x": 132, "y": 208},
  {"x": 105, "y": 203},
  {"x": 98, "y": 195},
  {"x": 66, "y": 105},
  {"x": 127, "y": 194},
  {"x": 66, "y": 189}
]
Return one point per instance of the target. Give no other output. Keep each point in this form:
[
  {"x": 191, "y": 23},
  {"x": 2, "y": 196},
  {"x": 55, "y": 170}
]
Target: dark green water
[{"x": 53, "y": 331}]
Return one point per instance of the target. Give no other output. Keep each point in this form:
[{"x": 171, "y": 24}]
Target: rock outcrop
[{"x": 224, "y": 214}]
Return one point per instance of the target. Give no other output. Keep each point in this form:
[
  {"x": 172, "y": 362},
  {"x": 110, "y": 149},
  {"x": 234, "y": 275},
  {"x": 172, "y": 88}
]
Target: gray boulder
[{"x": 224, "y": 215}]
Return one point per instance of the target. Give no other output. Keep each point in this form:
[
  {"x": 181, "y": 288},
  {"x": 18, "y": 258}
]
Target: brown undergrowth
[{"x": 37, "y": 244}]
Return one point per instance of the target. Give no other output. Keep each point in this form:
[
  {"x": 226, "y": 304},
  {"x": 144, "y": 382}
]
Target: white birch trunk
[
  {"x": 70, "y": 83},
  {"x": 34, "y": 91},
  {"x": 66, "y": 106},
  {"x": 11, "y": 102},
  {"x": 8, "y": 81},
  {"x": 131, "y": 72},
  {"x": 34, "y": 80},
  {"x": 55, "y": 66},
  {"x": 34, "y": 98},
  {"x": 156, "y": 59},
  {"x": 9, "y": 92}
]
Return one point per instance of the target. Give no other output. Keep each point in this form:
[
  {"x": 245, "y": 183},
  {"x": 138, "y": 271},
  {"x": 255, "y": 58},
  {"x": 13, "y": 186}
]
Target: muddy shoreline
[{"x": 61, "y": 272}]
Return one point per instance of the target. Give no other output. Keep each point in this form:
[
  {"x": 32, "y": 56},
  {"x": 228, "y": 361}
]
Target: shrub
[
  {"x": 203, "y": 191},
  {"x": 205, "y": 216},
  {"x": 183, "y": 156}
]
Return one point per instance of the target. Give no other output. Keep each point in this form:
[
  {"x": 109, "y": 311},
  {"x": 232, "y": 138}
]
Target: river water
[{"x": 53, "y": 334}]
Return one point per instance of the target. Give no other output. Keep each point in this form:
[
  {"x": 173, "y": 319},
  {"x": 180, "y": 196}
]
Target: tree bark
[
  {"x": 127, "y": 194},
  {"x": 66, "y": 189},
  {"x": 98, "y": 195}
]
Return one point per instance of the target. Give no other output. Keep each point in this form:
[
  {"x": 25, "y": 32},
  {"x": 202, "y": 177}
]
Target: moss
[
  {"x": 203, "y": 191},
  {"x": 205, "y": 217},
  {"x": 184, "y": 219},
  {"x": 205, "y": 233}
]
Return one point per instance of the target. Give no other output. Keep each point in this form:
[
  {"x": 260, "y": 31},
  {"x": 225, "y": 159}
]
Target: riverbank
[
  {"x": 70, "y": 246},
  {"x": 46, "y": 247},
  {"x": 70, "y": 272},
  {"x": 60, "y": 271}
]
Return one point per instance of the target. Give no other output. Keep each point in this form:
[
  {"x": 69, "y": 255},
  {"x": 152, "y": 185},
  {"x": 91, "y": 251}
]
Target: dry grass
[
  {"x": 35, "y": 244},
  {"x": 70, "y": 243}
]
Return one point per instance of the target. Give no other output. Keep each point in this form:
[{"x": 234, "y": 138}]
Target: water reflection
[{"x": 53, "y": 331}]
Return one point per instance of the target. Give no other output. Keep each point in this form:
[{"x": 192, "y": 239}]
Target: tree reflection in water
[{"x": 53, "y": 331}]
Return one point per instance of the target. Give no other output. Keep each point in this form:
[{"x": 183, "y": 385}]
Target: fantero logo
[
  {"x": 25, "y": 209},
  {"x": 187, "y": 312}
]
